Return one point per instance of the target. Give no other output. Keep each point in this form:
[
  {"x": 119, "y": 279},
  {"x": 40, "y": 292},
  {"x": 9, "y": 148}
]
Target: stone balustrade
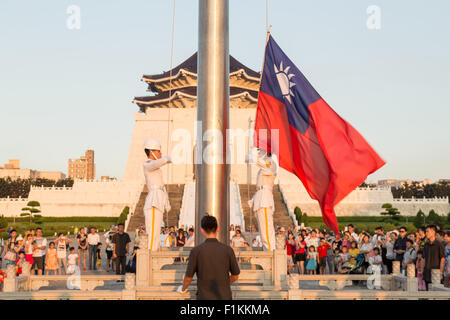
[
  {"x": 28, "y": 282},
  {"x": 338, "y": 281},
  {"x": 269, "y": 268}
]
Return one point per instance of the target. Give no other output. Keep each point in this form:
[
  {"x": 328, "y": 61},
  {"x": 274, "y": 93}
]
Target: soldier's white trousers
[
  {"x": 153, "y": 220},
  {"x": 266, "y": 228}
]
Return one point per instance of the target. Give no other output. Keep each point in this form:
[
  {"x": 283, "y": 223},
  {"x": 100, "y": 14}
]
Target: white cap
[
  {"x": 19, "y": 237},
  {"x": 152, "y": 144}
]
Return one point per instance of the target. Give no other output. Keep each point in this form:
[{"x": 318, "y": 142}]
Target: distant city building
[
  {"x": 390, "y": 183},
  {"x": 12, "y": 164},
  {"x": 400, "y": 183},
  {"x": 51, "y": 175},
  {"x": 107, "y": 178},
  {"x": 83, "y": 167},
  {"x": 13, "y": 171}
]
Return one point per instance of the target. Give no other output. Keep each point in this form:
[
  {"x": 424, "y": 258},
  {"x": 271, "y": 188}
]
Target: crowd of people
[
  {"x": 309, "y": 251},
  {"x": 312, "y": 251},
  {"x": 63, "y": 255}
]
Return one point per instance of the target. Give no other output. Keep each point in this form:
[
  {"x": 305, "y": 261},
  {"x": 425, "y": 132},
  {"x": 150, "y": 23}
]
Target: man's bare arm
[{"x": 186, "y": 282}]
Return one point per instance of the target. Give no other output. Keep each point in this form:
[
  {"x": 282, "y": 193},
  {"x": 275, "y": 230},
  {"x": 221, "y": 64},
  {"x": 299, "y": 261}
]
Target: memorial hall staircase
[
  {"x": 171, "y": 219},
  {"x": 281, "y": 216}
]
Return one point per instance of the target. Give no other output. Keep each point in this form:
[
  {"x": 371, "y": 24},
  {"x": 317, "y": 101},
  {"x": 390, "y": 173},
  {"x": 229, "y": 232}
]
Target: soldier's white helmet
[{"x": 152, "y": 144}]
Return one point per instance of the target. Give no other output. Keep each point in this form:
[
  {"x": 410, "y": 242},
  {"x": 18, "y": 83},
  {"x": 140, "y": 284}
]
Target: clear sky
[{"x": 63, "y": 91}]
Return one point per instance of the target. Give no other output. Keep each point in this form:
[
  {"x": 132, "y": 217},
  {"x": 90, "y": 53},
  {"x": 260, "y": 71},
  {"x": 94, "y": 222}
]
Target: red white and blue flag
[{"x": 323, "y": 150}]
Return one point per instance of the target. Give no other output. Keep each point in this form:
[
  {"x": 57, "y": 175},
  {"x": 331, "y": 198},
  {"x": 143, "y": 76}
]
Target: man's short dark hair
[
  {"x": 147, "y": 152},
  {"x": 209, "y": 224},
  {"x": 379, "y": 228},
  {"x": 191, "y": 230},
  {"x": 432, "y": 227},
  {"x": 404, "y": 228},
  {"x": 38, "y": 228},
  {"x": 121, "y": 224},
  {"x": 421, "y": 228},
  {"x": 350, "y": 225},
  {"x": 410, "y": 241}
]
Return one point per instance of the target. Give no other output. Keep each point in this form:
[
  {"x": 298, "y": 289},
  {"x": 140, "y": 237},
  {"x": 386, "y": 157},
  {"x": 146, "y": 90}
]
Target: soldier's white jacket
[
  {"x": 263, "y": 198},
  {"x": 157, "y": 194}
]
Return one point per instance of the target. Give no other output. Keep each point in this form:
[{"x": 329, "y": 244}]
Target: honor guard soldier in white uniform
[
  {"x": 157, "y": 199},
  {"x": 262, "y": 200}
]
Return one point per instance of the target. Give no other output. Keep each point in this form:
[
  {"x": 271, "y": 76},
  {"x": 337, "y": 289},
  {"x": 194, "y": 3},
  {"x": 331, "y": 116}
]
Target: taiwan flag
[{"x": 309, "y": 138}]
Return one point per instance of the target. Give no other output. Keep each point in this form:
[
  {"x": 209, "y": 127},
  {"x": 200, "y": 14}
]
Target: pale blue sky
[{"x": 63, "y": 91}]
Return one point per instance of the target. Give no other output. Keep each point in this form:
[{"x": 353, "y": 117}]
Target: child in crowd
[
  {"x": 51, "y": 259},
  {"x": 19, "y": 262},
  {"x": 337, "y": 253},
  {"x": 99, "y": 256},
  {"x": 311, "y": 265},
  {"x": 322, "y": 251},
  {"x": 420, "y": 264},
  {"x": 29, "y": 248},
  {"x": 344, "y": 260},
  {"x": 353, "y": 252},
  {"x": 109, "y": 254},
  {"x": 290, "y": 247},
  {"x": 72, "y": 261},
  {"x": 375, "y": 262}
]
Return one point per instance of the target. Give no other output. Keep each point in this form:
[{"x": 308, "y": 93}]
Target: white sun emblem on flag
[{"x": 284, "y": 77}]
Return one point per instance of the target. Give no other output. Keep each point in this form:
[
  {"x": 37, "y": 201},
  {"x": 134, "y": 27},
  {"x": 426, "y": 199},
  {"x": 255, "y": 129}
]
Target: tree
[
  {"x": 390, "y": 211},
  {"x": 298, "y": 215},
  {"x": 123, "y": 216},
  {"x": 434, "y": 218},
  {"x": 420, "y": 219},
  {"x": 305, "y": 218},
  {"x": 3, "y": 222},
  {"x": 31, "y": 210}
]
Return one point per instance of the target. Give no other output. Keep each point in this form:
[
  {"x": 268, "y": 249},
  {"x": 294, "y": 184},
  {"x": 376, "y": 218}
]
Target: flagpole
[{"x": 262, "y": 67}]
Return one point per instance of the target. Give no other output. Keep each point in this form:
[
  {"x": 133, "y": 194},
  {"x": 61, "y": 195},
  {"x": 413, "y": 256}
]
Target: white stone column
[
  {"x": 143, "y": 264},
  {"x": 412, "y": 284},
  {"x": 129, "y": 293},
  {"x": 9, "y": 284},
  {"x": 26, "y": 269},
  {"x": 396, "y": 268},
  {"x": 279, "y": 269},
  {"x": 435, "y": 277},
  {"x": 411, "y": 270}
]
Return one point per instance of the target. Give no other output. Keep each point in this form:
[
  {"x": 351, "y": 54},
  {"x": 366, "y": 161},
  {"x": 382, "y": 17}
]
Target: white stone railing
[
  {"x": 14, "y": 199},
  {"x": 422, "y": 200},
  {"x": 133, "y": 208},
  {"x": 236, "y": 211},
  {"x": 39, "y": 188},
  {"x": 187, "y": 204},
  {"x": 288, "y": 206},
  {"x": 28, "y": 282}
]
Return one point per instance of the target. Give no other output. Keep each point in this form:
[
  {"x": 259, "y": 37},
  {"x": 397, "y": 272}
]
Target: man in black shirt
[
  {"x": 433, "y": 253},
  {"x": 213, "y": 262},
  {"x": 120, "y": 248},
  {"x": 400, "y": 245}
]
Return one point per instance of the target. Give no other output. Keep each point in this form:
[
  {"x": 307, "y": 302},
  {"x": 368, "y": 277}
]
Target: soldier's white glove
[
  {"x": 169, "y": 160},
  {"x": 250, "y": 203},
  {"x": 180, "y": 290}
]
